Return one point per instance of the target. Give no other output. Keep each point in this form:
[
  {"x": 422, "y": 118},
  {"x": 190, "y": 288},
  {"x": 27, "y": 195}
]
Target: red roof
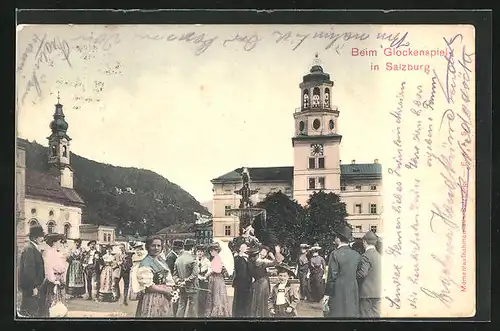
[{"x": 44, "y": 186}]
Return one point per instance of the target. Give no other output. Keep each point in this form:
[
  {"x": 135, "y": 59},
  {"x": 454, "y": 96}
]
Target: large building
[
  {"x": 317, "y": 166},
  {"x": 48, "y": 198}
]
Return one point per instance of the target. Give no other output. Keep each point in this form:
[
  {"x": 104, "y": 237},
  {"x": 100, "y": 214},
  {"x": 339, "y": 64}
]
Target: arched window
[
  {"x": 67, "y": 230},
  {"x": 302, "y": 126},
  {"x": 33, "y": 211},
  {"x": 326, "y": 98},
  {"x": 305, "y": 99},
  {"x": 51, "y": 226},
  {"x": 54, "y": 150},
  {"x": 316, "y": 97},
  {"x": 33, "y": 222},
  {"x": 51, "y": 214},
  {"x": 65, "y": 153}
]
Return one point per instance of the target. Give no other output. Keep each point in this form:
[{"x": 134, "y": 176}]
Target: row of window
[
  {"x": 64, "y": 149},
  {"x": 204, "y": 233},
  {"x": 359, "y": 228},
  {"x": 316, "y": 98},
  {"x": 358, "y": 208},
  {"x": 51, "y": 226},
  {"x": 33, "y": 212},
  {"x": 359, "y": 187},
  {"x": 107, "y": 237}
]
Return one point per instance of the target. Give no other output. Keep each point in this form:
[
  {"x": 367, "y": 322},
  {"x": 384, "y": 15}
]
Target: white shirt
[
  {"x": 35, "y": 244},
  {"x": 341, "y": 245},
  {"x": 280, "y": 296},
  {"x": 369, "y": 247}
]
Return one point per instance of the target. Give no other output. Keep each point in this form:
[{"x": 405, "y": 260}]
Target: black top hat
[
  {"x": 178, "y": 244},
  {"x": 77, "y": 241},
  {"x": 215, "y": 246},
  {"x": 189, "y": 243},
  {"x": 53, "y": 237},
  {"x": 345, "y": 233},
  {"x": 36, "y": 231},
  {"x": 285, "y": 268},
  {"x": 91, "y": 242}
]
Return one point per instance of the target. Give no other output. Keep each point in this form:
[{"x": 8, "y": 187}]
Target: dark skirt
[
  {"x": 202, "y": 298},
  {"x": 260, "y": 298},
  {"x": 316, "y": 287},
  {"x": 75, "y": 279},
  {"x": 153, "y": 305},
  {"x": 217, "y": 302},
  {"x": 47, "y": 297}
]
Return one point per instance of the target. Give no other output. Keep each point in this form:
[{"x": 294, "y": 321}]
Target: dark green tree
[
  {"x": 283, "y": 221},
  {"x": 325, "y": 214}
]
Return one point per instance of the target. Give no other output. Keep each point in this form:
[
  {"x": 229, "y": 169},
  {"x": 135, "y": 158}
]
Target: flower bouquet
[{"x": 145, "y": 277}]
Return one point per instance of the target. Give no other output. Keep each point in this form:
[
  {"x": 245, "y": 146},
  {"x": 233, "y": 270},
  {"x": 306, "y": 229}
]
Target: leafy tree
[
  {"x": 325, "y": 214},
  {"x": 283, "y": 223}
]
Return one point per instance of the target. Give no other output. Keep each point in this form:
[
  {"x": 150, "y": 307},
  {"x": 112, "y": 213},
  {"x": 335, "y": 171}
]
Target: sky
[{"x": 188, "y": 113}]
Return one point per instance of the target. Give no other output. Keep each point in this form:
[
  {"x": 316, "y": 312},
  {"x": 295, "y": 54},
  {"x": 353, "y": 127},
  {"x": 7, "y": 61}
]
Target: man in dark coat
[
  {"x": 370, "y": 278},
  {"x": 170, "y": 259},
  {"x": 342, "y": 293},
  {"x": 31, "y": 272},
  {"x": 302, "y": 271},
  {"x": 185, "y": 276},
  {"x": 242, "y": 283}
]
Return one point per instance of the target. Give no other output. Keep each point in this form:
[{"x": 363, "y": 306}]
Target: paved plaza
[{"x": 85, "y": 308}]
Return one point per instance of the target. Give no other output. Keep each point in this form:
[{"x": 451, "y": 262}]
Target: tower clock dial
[{"x": 317, "y": 149}]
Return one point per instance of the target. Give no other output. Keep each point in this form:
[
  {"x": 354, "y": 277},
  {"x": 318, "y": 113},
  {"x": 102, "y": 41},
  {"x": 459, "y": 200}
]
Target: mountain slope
[{"x": 153, "y": 203}]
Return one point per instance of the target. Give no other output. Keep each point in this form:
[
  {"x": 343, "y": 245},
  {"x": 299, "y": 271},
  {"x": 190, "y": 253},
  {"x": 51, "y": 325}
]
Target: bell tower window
[
  {"x": 326, "y": 98},
  {"x": 54, "y": 150},
  {"x": 65, "y": 152},
  {"x": 305, "y": 99},
  {"x": 316, "y": 98}
]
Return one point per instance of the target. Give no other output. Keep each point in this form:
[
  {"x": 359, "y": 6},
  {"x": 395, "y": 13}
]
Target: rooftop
[
  {"x": 46, "y": 187},
  {"x": 285, "y": 174}
]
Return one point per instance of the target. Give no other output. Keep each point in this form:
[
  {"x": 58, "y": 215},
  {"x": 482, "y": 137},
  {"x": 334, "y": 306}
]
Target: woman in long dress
[
  {"x": 317, "y": 266},
  {"x": 261, "y": 287},
  {"x": 106, "y": 283},
  {"x": 217, "y": 302},
  {"x": 155, "y": 282},
  {"x": 137, "y": 257},
  {"x": 75, "y": 276},
  {"x": 52, "y": 290}
]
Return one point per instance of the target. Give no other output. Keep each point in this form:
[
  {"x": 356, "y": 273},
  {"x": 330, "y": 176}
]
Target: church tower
[
  {"x": 316, "y": 142},
  {"x": 59, "y": 148}
]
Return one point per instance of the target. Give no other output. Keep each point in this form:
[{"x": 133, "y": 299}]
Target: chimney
[
  {"x": 375, "y": 161},
  {"x": 353, "y": 162}
]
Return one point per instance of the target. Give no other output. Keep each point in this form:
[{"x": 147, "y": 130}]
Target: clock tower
[{"x": 316, "y": 141}]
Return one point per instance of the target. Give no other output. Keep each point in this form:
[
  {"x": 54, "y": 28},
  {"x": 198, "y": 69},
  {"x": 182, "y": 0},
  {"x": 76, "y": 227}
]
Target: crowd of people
[{"x": 189, "y": 280}]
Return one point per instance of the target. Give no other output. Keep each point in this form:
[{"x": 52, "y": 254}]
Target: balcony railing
[{"x": 332, "y": 109}]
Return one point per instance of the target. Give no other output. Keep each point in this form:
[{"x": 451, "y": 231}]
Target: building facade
[
  {"x": 317, "y": 166},
  {"x": 48, "y": 198},
  {"x": 102, "y": 234}
]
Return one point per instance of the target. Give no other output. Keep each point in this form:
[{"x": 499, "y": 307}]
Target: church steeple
[{"x": 59, "y": 152}]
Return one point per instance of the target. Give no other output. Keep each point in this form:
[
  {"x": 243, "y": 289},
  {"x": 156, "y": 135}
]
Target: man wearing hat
[
  {"x": 185, "y": 276},
  {"x": 302, "y": 271},
  {"x": 91, "y": 263},
  {"x": 170, "y": 259},
  {"x": 342, "y": 295},
  {"x": 31, "y": 272},
  {"x": 317, "y": 270},
  {"x": 284, "y": 297},
  {"x": 369, "y": 278}
]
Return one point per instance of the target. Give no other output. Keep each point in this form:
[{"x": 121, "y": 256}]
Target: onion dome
[{"x": 316, "y": 74}]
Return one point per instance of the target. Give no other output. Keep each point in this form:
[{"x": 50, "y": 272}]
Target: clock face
[{"x": 317, "y": 149}]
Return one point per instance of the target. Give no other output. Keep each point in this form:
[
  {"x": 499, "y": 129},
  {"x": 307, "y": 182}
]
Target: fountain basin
[{"x": 249, "y": 212}]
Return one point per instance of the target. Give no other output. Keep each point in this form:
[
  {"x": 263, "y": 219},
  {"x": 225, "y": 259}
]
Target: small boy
[{"x": 284, "y": 298}]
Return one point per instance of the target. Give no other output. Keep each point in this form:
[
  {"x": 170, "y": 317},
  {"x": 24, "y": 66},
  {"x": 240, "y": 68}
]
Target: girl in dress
[
  {"x": 52, "y": 290},
  {"x": 261, "y": 287},
  {"x": 76, "y": 278},
  {"x": 217, "y": 302},
  {"x": 155, "y": 282},
  {"x": 106, "y": 284},
  {"x": 137, "y": 257}
]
